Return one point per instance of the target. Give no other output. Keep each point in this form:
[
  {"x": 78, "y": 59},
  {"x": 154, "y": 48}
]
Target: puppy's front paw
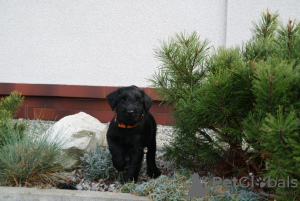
[
  {"x": 128, "y": 178},
  {"x": 154, "y": 173}
]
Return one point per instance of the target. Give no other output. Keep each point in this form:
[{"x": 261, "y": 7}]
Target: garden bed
[
  {"x": 77, "y": 179},
  {"x": 174, "y": 183}
]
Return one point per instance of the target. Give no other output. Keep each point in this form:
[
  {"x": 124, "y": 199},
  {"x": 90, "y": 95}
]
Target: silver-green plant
[
  {"x": 235, "y": 193},
  {"x": 178, "y": 186},
  {"x": 98, "y": 164},
  {"x": 29, "y": 160},
  {"x": 162, "y": 188}
]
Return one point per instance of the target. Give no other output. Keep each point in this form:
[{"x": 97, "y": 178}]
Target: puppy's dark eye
[{"x": 139, "y": 101}]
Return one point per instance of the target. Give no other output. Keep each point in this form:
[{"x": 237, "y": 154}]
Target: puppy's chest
[{"x": 132, "y": 139}]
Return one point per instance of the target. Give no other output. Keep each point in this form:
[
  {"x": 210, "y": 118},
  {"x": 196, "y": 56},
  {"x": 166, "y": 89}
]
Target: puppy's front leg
[
  {"x": 152, "y": 170},
  {"x": 135, "y": 164},
  {"x": 117, "y": 153}
]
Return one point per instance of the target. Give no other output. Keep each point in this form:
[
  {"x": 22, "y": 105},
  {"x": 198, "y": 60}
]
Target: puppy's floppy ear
[
  {"x": 112, "y": 99},
  {"x": 147, "y": 101}
]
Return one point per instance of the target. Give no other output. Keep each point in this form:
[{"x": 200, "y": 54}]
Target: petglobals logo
[
  {"x": 252, "y": 182},
  {"x": 198, "y": 190}
]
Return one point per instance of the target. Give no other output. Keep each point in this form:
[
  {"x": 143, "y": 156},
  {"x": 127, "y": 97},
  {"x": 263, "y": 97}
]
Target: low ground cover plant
[
  {"x": 98, "y": 164},
  {"x": 236, "y": 109},
  {"x": 177, "y": 187}
]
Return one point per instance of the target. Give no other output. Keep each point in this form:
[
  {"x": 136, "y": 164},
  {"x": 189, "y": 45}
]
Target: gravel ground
[{"x": 78, "y": 181}]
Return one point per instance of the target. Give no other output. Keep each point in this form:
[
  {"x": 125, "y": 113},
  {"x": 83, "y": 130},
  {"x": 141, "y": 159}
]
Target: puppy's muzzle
[{"x": 129, "y": 112}]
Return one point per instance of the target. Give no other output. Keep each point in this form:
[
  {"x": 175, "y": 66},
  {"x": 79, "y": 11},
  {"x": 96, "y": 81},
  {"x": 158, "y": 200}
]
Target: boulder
[{"x": 77, "y": 133}]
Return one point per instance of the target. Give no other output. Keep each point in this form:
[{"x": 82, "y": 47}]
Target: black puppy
[{"x": 131, "y": 130}]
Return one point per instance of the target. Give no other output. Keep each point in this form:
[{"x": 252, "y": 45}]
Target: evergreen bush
[
  {"x": 236, "y": 108},
  {"x": 9, "y": 107}
]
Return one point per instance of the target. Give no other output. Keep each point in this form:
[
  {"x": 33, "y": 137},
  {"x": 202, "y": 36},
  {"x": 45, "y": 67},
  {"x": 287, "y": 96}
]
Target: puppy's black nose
[{"x": 129, "y": 112}]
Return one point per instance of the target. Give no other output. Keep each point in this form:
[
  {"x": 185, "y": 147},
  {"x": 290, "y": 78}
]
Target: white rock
[{"x": 77, "y": 133}]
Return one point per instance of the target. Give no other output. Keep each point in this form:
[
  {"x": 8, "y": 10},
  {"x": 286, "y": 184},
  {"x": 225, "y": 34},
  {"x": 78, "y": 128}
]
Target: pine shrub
[
  {"x": 235, "y": 108},
  {"x": 9, "y": 107}
]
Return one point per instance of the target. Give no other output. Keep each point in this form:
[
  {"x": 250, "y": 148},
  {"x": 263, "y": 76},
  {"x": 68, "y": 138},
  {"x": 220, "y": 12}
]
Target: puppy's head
[{"x": 130, "y": 103}]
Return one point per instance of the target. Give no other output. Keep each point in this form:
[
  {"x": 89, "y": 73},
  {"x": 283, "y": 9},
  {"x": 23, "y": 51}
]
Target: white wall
[{"x": 110, "y": 42}]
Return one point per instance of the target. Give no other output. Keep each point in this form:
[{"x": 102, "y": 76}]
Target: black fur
[{"x": 131, "y": 105}]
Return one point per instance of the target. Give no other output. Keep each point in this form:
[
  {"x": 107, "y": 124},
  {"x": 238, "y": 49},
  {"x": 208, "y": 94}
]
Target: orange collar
[{"x": 129, "y": 126}]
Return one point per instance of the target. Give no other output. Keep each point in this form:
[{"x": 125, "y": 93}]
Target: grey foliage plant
[
  {"x": 31, "y": 159},
  {"x": 98, "y": 164},
  {"x": 177, "y": 187}
]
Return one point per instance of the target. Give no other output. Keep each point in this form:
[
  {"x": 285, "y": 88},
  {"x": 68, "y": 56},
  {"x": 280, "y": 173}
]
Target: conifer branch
[
  {"x": 289, "y": 35},
  {"x": 268, "y": 23},
  {"x": 270, "y": 93},
  {"x": 228, "y": 60},
  {"x": 247, "y": 158},
  {"x": 220, "y": 94},
  {"x": 193, "y": 63},
  {"x": 175, "y": 65},
  {"x": 280, "y": 135},
  {"x": 205, "y": 135}
]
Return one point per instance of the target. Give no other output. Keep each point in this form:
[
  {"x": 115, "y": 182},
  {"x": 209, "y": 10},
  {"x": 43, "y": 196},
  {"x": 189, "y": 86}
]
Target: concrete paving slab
[{"x": 35, "y": 194}]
